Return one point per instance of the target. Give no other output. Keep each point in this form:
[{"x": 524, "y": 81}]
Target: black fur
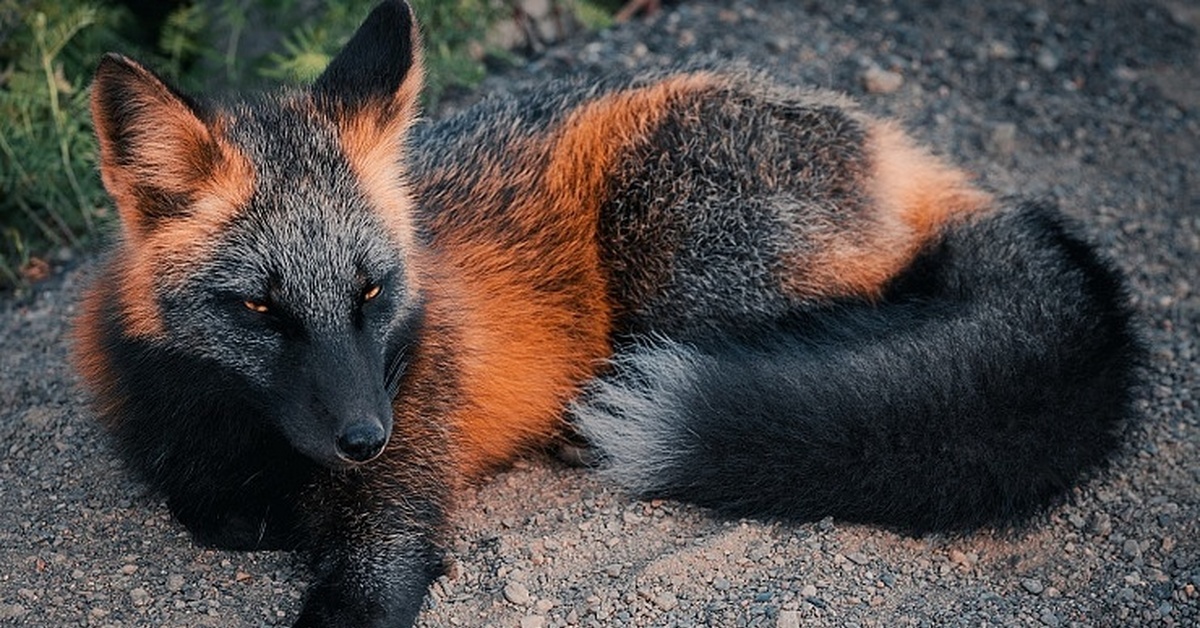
[
  {"x": 374, "y": 62},
  {"x": 995, "y": 374},
  {"x": 230, "y": 478}
]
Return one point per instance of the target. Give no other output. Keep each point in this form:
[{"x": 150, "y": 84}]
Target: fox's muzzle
[
  {"x": 361, "y": 441},
  {"x": 341, "y": 413}
]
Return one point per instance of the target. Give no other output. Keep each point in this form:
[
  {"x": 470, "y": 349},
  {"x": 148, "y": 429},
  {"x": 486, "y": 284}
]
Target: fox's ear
[
  {"x": 370, "y": 92},
  {"x": 372, "y": 85},
  {"x": 158, "y": 156}
]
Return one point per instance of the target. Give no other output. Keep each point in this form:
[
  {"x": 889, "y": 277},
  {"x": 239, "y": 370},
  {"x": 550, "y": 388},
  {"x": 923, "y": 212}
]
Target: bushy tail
[{"x": 997, "y": 371}]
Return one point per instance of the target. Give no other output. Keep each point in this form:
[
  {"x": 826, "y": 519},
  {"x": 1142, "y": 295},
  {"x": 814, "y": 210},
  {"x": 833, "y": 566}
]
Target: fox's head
[{"x": 272, "y": 239}]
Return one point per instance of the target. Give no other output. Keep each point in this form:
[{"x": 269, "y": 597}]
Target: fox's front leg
[{"x": 374, "y": 550}]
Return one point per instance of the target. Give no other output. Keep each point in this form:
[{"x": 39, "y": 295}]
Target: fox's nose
[{"x": 361, "y": 442}]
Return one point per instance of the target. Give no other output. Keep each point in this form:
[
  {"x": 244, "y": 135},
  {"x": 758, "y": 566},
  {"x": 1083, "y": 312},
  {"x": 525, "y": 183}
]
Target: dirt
[{"x": 1092, "y": 104}]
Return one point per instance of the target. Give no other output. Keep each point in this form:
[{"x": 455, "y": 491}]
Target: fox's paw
[
  {"x": 372, "y": 585},
  {"x": 344, "y": 600}
]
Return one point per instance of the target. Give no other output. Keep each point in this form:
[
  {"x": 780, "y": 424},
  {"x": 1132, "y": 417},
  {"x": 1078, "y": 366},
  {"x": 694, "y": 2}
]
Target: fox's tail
[{"x": 996, "y": 372}]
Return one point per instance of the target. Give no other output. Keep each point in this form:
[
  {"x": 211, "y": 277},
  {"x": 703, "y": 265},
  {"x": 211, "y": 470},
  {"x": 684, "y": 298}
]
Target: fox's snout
[{"x": 361, "y": 441}]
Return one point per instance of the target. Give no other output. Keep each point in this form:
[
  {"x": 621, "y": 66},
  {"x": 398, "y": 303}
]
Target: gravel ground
[{"x": 1094, "y": 104}]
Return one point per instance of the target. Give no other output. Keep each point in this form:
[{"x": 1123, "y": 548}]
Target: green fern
[
  {"x": 49, "y": 194},
  {"x": 180, "y": 40}
]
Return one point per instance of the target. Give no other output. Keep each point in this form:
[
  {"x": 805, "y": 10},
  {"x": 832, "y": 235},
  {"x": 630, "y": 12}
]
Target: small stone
[
  {"x": 1050, "y": 619},
  {"x": 1033, "y": 586},
  {"x": 517, "y": 593},
  {"x": 958, "y": 557},
  {"x": 1131, "y": 549},
  {"x": 1047, "y": 60},
  {"x": 175, "y": 583},
  {"x": 1003, "y": 141},
  {"x": 533, "y": 621},
  {"x": 778, "y": 45},
  {"x": 721, "y": 584},
  {"x": 129, "y": 569},
  {"x": 880, "y": 81},
  {"x": 808, "y": 591},
  {"x": 613, "y": 571},
  {"x": 139, "y": 596},
  {"x": 666, "y": 601},
  {"x": 15, "y": 611},
  {"x": 1001, "y": 51},
  {"x": 536, "y": 8},
  {"x": 788, "y": 619},
  {"x": 859, "y": 558},
  {"x": 1037, "y": 18}
]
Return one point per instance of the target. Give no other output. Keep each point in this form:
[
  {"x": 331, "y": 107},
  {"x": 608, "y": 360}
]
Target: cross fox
[{"x": 324, "y": 317}]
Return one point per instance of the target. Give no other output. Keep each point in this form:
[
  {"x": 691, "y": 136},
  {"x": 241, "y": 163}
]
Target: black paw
[{"x": 382, "y": 603}]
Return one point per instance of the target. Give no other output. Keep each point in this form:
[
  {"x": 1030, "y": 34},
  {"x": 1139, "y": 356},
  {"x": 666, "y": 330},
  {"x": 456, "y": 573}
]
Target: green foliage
[
  {"x": 309, "y": 47},
  {"x": 181, "y": 38},
  {"x": 595, "y": 15},
  {"x": 50, "y": 193}
]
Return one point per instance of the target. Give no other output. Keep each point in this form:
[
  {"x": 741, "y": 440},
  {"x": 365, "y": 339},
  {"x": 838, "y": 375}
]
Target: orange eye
[
  {"x": 255, "y": 306},
  {"x": 372, "y": 292}
]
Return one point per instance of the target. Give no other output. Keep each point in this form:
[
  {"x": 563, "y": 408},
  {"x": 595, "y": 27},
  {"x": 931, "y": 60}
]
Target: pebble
[
  {"x": 1003, "y": 141},
  {"x": 175, "y": 583},
  {"x": 1033, "y": 586},
  {"x": 14, "y": 611},
  {"x": 139, "y": 596},
  {"x": 533, "y": 621},
  {"x": 517, "y": 593},
  {"x": 788, "y": 619},
  {"x": 880, "y": 81},
  {"x": 1050, "y": 619},
  {"x": 1047, "y": 60},
  {"x": 808, "y": 591},
  {"x": 666, "y": 600}
]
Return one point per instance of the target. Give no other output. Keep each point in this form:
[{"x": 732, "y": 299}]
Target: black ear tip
[
  {"x": 114, "y": 62},
  {"x": 392, "y": 15},
  {"x": 376, "y": 60}
]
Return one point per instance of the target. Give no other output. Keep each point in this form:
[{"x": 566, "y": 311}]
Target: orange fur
[
  {"x": 373, "y": 141},
  {"x": 599, "y": 131},
  {"x": 913, "y": 195},
  {"x": 921, "y": 189},
  {"x": 526, "y": 351}
]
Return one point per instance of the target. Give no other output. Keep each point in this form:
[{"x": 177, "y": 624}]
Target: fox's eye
[
  {"x": 371, "y": 292},
  {"x": 256, "y": 306}
]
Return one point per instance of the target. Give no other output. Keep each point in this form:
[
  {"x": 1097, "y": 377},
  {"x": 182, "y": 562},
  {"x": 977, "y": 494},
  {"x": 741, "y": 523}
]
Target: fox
[{"x": 323, "y": 317}]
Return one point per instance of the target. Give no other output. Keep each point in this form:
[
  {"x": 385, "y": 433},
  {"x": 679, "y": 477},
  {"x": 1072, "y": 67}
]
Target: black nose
[{"x": 361, "y": 442}]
